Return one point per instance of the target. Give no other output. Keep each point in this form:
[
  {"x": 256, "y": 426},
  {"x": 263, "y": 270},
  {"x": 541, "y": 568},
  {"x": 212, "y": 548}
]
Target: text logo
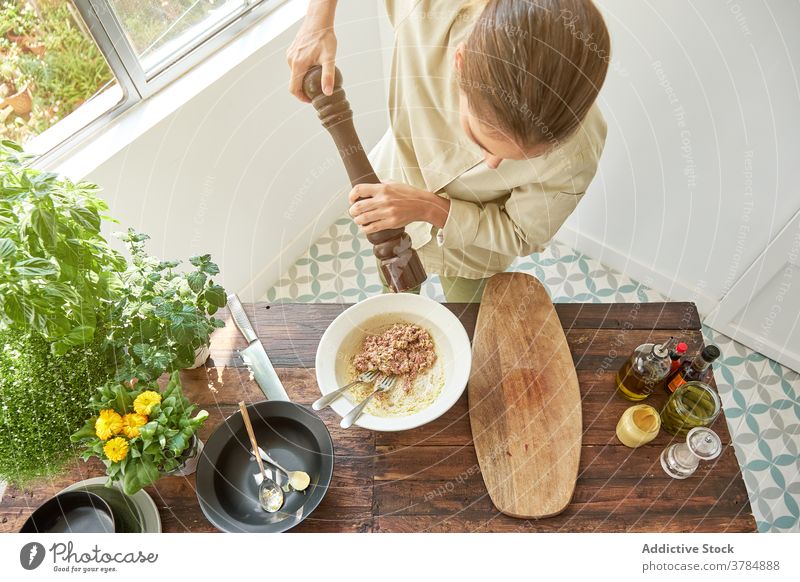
[{"x": 31, "y": 555}]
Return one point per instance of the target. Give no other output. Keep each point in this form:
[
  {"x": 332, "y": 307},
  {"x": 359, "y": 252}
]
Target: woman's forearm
[
  {"x": 321, "y": 12},
  {"x": 437, "y": 211}
]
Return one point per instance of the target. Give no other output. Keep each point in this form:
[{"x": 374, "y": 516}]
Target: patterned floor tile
[{"x": 759, "y": 396}]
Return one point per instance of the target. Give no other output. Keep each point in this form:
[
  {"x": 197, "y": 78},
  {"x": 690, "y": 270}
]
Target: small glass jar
[
  {"x": 693, "y": 404},
  {"x": 638, "y": 425}
]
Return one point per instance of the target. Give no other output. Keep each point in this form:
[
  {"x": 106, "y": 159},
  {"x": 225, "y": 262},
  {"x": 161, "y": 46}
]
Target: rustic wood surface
[
  {"x": 524, "y": 400},
  {"x": 428, "y": 479}
]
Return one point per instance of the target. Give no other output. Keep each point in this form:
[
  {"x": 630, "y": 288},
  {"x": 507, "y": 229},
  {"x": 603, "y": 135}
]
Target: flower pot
[
  {"x": 20, "y": 102},
  {"x": 190, "y": 459},
  {"x": 200, "y": 357}
]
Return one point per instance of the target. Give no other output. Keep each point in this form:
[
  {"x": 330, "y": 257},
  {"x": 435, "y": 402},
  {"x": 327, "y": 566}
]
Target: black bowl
[
  {"x": 71, "y": 512},
  {"x": 227, "y": 488}
]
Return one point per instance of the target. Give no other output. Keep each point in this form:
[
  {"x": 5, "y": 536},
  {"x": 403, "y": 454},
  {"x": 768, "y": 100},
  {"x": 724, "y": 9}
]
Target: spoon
[
  {"x": 298, "y": 480},
  {"x": 270, "y": 496}
]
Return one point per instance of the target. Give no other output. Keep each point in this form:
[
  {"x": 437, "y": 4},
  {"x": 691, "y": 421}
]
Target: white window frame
[{"x": 132, "y": 80}]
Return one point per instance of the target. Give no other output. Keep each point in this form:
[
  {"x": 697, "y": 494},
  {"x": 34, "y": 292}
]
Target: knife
[{"x": 254, "y": 355}]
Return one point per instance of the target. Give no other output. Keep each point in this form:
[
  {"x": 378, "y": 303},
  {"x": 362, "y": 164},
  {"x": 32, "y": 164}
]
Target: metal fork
[
  {"x": 364, "y": 378},
  {"x": 382, "y": 386}
]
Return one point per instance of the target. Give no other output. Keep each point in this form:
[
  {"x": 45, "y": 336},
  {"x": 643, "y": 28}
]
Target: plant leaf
[
  {"x": 139, "y": 475},
  {"x": 215, "y": 295},
  {"x": 35, "y": 267},
  {"x": 196, "y": 280},
  {"x": 7, "y": 247}
]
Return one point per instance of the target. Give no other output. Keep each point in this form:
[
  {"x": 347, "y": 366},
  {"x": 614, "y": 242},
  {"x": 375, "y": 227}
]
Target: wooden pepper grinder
[{"x": 399, "y": 263}]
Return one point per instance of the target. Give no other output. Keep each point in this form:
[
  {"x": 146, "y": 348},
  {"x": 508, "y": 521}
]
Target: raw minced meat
[{"x": 404, "y": 349}]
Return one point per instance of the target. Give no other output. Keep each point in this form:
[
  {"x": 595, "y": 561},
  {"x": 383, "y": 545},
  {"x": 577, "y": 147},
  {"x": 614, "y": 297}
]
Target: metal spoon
[
  {"x": 298, "y": 480},
  {"x": 328, "y": 398},
  {"x": 270, "y": 496}
]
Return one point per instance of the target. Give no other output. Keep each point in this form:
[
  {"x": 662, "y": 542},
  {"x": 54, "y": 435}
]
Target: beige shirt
[{"x": 495, "y": 215}]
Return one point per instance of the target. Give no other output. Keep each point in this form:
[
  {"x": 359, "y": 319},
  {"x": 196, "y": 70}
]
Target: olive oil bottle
[{"x": 644, "y": 370}]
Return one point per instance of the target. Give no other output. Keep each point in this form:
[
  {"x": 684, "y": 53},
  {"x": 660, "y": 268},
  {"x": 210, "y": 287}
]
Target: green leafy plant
[
  {"x": 43, "y": 400},
  {"x": 73, "y": 313},
  {"x": 163, "y": 315},
  {"x": 56, "y": 270},
  {"x": 56, "y": 292},
  {"x": 140, "y": 432}
]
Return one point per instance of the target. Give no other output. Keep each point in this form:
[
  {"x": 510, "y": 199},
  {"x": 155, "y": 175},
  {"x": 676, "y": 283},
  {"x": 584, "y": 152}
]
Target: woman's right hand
[{"x": 315, "y": 44}]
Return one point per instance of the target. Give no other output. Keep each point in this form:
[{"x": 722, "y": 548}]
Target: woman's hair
[{"x": 533, "y": 68}]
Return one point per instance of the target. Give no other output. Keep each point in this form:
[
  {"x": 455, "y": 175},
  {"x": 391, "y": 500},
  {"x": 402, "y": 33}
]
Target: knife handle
[{"x": 240, "y": 318}]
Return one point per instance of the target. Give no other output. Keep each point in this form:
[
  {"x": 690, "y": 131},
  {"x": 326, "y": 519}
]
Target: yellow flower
[
  {"x": 107, "y": 424},
  {"x": 131, "y": 423},
  {"x": 145, "y": 402},
  {"x": 116, "y": 449}
]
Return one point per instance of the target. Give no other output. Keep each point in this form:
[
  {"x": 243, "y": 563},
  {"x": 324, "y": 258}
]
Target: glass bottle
[
  {"x": 680, "y": 460},
  {"x": 692, "y": 404},
  {"x": 644, "y": 370},
  {"x": 676, "y": 355},
  {"x": 699, "y": 369}
]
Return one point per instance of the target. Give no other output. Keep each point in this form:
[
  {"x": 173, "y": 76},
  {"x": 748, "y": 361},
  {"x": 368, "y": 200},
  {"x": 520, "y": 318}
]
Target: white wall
[
  {"x": 243, "y": 170},
  {"x": 702, "y": 162},
  {"x": 699, "y": 173}
]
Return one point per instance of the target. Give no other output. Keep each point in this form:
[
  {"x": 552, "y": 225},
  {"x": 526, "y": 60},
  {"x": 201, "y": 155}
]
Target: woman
[{"x": 494, "y": 134}]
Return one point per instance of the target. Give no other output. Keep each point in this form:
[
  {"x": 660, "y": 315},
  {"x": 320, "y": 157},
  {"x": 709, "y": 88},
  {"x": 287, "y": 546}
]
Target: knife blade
[{"x": 254, "y": 355}]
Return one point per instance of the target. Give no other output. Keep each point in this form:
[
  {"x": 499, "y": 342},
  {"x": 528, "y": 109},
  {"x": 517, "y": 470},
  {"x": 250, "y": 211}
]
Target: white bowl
[{"x": 449, "y": 336}]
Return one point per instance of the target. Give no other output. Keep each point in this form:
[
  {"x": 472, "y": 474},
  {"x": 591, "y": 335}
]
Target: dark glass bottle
[{"x": 698, "y": 370}]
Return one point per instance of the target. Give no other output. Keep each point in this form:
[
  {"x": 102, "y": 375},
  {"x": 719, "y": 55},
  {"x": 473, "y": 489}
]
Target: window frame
[{"x": 112, "y": 42}]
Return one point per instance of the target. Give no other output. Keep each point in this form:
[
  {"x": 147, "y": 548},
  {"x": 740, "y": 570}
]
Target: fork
[
  {"x": 381, "y": 386},
  {"x": 365, "y": 377}
]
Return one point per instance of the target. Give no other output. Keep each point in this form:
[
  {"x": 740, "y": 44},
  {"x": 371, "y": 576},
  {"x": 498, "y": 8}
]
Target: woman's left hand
[{"x": 376, "y": 207}]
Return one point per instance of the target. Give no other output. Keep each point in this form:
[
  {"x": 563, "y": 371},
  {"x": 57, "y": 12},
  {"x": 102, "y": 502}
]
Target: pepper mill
[
  {"x": 680, "y": 460},
  {"x": 399, "y": 263}
]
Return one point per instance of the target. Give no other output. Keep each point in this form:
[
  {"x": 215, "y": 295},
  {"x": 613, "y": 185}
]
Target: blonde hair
[{"x": 533, "y": 68}]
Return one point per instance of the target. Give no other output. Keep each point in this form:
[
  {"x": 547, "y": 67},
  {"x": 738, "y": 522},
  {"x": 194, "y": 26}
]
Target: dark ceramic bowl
[
  {"x": 226, "y": 483},
  {"x": 71, "y": 512}
]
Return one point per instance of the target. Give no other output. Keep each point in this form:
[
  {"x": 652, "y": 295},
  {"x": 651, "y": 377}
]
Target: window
[
  {"x": 70, "y": 65},
  {"x": 160, "y": 32},
  {"x": 50, "y": 66}
]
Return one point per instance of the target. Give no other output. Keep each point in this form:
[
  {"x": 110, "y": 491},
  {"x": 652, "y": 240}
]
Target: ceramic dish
[
  {"x": 71, "y": 512},
  {"x": 341, "y": 340},
  {"x": 134, "y": 514},
  {"x": 227, "y": 474}
]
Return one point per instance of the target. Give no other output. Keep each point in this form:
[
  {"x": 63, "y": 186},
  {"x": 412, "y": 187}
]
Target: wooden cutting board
[{"x": 524, "y": 400}]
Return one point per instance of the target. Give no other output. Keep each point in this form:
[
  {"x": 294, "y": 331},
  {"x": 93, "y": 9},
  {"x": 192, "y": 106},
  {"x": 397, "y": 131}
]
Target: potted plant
[
  {"x": 56, "y": 293},
  {"x": 141, "y": 432},
  {"x": 163, "y": 317},
  {"x": 73, "y": 313}
]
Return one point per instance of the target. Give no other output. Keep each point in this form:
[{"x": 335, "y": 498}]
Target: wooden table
[{"x": 428, "y": 479}]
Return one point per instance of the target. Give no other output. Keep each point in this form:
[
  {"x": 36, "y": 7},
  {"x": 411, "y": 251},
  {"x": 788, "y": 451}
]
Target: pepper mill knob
[{"x": 399, "y": 263}]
